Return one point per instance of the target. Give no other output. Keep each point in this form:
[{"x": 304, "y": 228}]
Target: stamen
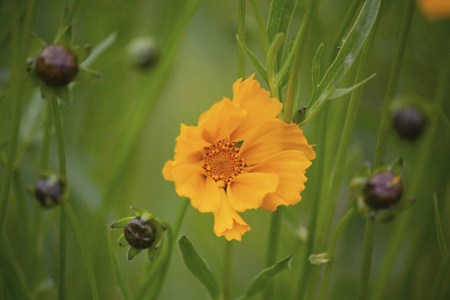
[{"x": 222, "y": 162}]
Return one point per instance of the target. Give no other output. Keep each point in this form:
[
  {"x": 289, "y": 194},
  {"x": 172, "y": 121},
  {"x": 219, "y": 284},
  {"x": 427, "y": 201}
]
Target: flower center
[{"x": 222, "y": 162}]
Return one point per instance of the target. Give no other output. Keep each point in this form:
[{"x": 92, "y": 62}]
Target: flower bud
[
  {"x": 409, "y": 122},
  {"x": 383, "y": 190},
  {"x": 57, "y": 65},
  {"x": 49, "y": 190},
  {"x": 143, "y": 52},
  {"x": 139, "y": 233}
]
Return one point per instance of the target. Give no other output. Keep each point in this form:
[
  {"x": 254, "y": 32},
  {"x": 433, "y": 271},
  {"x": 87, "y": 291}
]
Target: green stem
[
  {"x": 22, "y": 201},
  {"x": 46, "y": 140},
  {"x": 367, "y": 258},
  {"x": 300, "y": 44},
  {"x": 330, "y": 252},
  {"x": 392, "y": 87},
  {"x": 227, "y": 265},
  {"x": 62, "y": 218},
  {"x": 114, "y": 260},
  {"x": 150, "y": 284},
  {"x": 261, "y": 24},
  {"x": 381, "y": 142},
  {"x": 441, "y": 278},
  {"x": 83, "y": 249},
  {"x": 241, "y": 35},
  {"x": 272, "y": 247},
  {"x": 15, "y": 100},
  {"x": 271, "y": 58}
]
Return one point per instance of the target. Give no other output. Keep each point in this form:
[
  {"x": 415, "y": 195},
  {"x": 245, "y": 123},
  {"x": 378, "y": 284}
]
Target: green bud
[{"x": 143, "y": 52}]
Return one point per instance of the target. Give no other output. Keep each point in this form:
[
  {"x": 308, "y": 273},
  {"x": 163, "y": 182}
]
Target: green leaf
[
  {"x": 121, "y": 223},
  {"x": 65, "y": 36},
  {"x": 142, "y": 213},
  {"x": 255, "y": 61},
  {"x": 342, "y": 92},
  {"x": 132, "y": 252},
  {"x": 440, "y": 235},
  {"x": 82, "y": 52},
  {"x": 350, "y": 49},
  {"x": 262, "y": 280},
  {"x": 99, "y": 49},
  {"x": 280, "y": 16},
  {"x": 36, "y": 45},
  {"x": 315, "y": 71},
  {"x": 397, "y": 166},
  {"x": 198, "y": 266},
  {"x": 86, "y": 75},
  {"x": 122, "y": 241},
  {"x": 290, "y": 220}
]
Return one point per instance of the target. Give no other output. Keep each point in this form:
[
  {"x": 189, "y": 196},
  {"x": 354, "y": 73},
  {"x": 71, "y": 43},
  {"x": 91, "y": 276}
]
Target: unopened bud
[
  {"x": 409, "y": 122},
  {"x": 383, "y": 190},
  {"x": 143, "y": 52},
  {"x": 49, "y": 190},
  {"x": 57, "y": 65},
  {"x": 139, "y": 233}
]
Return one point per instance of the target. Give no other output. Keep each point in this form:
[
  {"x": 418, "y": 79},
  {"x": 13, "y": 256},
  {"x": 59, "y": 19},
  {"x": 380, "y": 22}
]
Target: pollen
[{"x": 222, "y": 162}]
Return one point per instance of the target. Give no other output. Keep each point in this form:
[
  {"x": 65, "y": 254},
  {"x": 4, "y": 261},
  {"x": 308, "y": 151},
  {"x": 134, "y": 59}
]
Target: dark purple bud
[
  {"x": 383, "y": 190},
  {"x": 409, "y": 122},
  {"x": 140, "y": 234},
  {"x": 57, "y": 65},
  {"x": 49, "y": 190}
]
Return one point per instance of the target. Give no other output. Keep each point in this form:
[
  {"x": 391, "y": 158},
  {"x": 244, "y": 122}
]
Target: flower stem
[
  {"x": 45, "y": 149},
  {"x": 367, "y": 258},
  {"x": 126, "y": 294},
  {"x": 261, "y": 24},
  {"x": 227, "y": 262},
  {"x": 62, "y": 218},
  {"x": 272, "y": 247},
  {"x": 241, "y": 35},
  {"x": 331, "y": 249},
  {"x": 381, "y": 143}
]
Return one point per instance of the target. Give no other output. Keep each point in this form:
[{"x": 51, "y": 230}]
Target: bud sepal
[{"x": 143, "y": 231}]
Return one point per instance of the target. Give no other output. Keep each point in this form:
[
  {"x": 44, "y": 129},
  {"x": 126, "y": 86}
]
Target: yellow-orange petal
[
  {"x": 248, "y": 190},
  {"x": 220, "y": 120},
  {"x": 435, "y": 9},
  {"x": 257, "y": 102},
  {"x": 227, "y": 222},
  {"x": 189, "y": 145},
  {"x": 168, "y": 170},
  {"x": 191, "y": 182},
  {"x": 291, "y": 166},
  {"x": 273, "y": 137}
]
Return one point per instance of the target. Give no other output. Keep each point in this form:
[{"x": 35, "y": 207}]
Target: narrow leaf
[
  {"x": 255, "y": 61},
  {"x": 290, "y": 220},
  {"x": 262, "y": 280},
  {"x": 122, "y": 241},
  {"x": 86, "y": 75},
  {"x": 82, "y": 52},
  {"x": 65, "y": 36},
  {"x": 121, "y": 223},
  {"x": 280, "y": 16},
  {"x": 342, "y": 92},
  {"x": 351, "y": 47},
  {"x": 440, "y": 235},
  {"x": 198, "y": 266},
  {"x": 36, "y": 45},
  {"x": 132, "y": 252},
  {"x": 397, "y": 166},
  {"x": 315, "y": 71},
  {"x": 97, "y": 51}
]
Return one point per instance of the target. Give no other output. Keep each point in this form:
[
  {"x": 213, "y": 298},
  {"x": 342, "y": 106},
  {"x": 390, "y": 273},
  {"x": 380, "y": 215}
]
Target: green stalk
[
  {"x": 261, "y": 24},
  {"x": 300, "y": 44},
  {"x": 126, "y": 294},
  {"x": 62, "y": 219},
  {"x": 162, "y": 264},
  {"x": 381, "y": 143},
  {"x": 272, "y": 247},
  {"x": 331, "y": 249},
  {"x": 83, "y": 249},
  {"x": 441, "y": 279},
  {"x": 45, "y": 149},
  {"x": 227, "y": 259},
  {"x": 241, "y": 35}
]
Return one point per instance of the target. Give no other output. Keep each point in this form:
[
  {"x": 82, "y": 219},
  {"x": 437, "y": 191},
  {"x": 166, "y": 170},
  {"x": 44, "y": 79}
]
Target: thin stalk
[
  {"x": 164, "y": 261},
  {"x": 83, "y": 249},
  {"x": 241, "y": 35},
  {"x": 299, "y": 45},
  {"x": 381, "y": 142},
  {"x": 15, "y": 102},
  {"x": 21, "y": 201},
  {"x": 367, "y": 258},
  {"x": 392, "y": 86},
  {"x": 331, "y": 249},
  {"x": 227, "y": 261},
  {"x": 46, "y": 140},
  {"x": 272, "y": 247},
  {"x": 261, "y": 24},
  {"x": 126, "y": 294},
  {"x": 441, "y": 279},
  {"x": 62, "y": 218}
]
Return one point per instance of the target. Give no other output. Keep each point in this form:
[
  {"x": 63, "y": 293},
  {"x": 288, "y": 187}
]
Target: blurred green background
[{"x": 202, "y": 72}]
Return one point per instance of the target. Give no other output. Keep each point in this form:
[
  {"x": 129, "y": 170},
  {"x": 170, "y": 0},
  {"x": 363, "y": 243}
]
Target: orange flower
[
  {"x": 435, "y": 9},
  {"x": 239, "y": 157}
]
